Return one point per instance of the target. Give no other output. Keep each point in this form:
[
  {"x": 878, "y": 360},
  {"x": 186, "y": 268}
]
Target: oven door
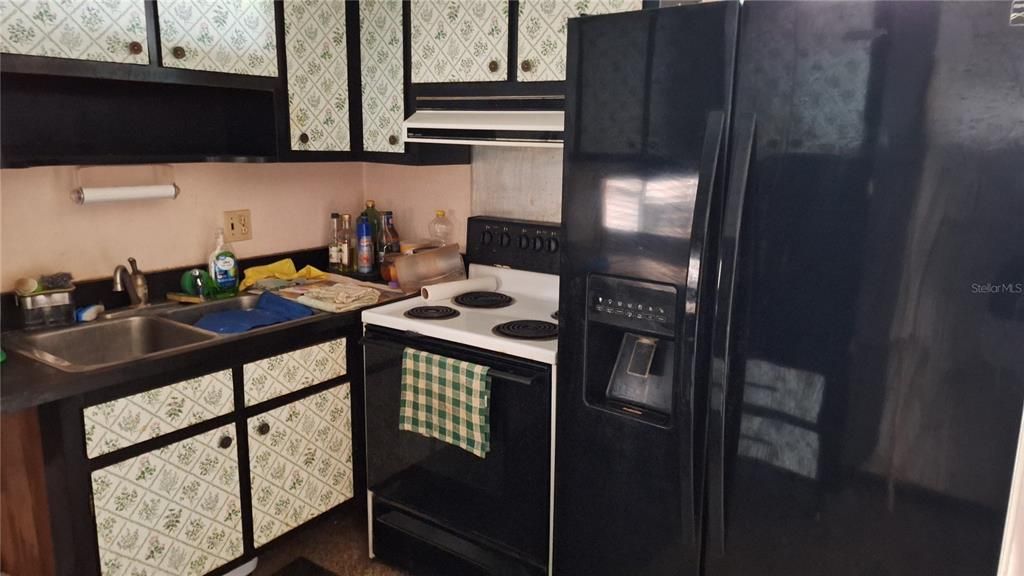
[{"x": 501, "y": 500}]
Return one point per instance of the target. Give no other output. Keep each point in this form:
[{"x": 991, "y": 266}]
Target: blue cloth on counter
[{"x": 270, "y": 309}]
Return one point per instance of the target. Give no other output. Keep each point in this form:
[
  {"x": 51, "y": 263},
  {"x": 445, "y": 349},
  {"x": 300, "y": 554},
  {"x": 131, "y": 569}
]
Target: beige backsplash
[
  {"x": 42, "y": 231},
  {"x": 414, "y": 193}
]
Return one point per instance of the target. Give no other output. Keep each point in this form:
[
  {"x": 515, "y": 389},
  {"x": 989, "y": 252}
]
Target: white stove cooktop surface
[{"x": 536, "y": 298}]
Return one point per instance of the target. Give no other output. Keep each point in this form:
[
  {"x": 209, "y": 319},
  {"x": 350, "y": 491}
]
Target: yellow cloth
[{"x": 282, "y": 270}]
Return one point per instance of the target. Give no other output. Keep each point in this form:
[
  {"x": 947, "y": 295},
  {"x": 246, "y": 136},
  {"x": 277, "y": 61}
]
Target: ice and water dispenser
[{"x": 631, "y": 346}]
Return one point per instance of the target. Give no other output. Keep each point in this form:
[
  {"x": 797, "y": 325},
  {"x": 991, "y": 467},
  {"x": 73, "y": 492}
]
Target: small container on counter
[{"x": 47, "y": 309}]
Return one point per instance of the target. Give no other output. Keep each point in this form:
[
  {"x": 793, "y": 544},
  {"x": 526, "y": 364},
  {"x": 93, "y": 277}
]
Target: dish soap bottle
[
  {"x": 440, "y": 229},
  {"x": 223, "y": 265}
]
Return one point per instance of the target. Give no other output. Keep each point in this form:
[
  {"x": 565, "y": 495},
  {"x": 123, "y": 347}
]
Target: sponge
[{"x": 58, "y": 281}]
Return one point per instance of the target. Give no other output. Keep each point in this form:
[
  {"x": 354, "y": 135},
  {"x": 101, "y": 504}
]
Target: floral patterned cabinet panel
[
  {"x": 284, "y": 373},
  {"x": 459, "y": 40},
  {"x": 542, "y": 33},
  {"x": 108, "y": 31},
  {"x": 314, "y": 36},
  {"x": 120, "y": 423},
  {"x": 175, "y": 510},
  {"x": 382, "y": 74},
  {"x": 232, "y": 36},
  {"x": 300, "y": 458}
]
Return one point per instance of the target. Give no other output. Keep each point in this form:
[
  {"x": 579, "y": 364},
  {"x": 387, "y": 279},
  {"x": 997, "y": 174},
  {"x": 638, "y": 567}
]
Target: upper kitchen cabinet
[
  {"x": 230, "y": 36},
  {"x": 108, "y": 31},
  {"x": 459, "y": 41},
  {"x": 383, "y": 75},
  {"x": 542, "y": 33},
  {"x": 317, "y": 58}
]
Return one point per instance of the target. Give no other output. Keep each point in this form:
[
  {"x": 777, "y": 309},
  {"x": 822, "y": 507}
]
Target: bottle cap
[
  {"x": 439, "y": 213},
  {"x": 335, "y": 215},
  {"x": 370, "y": 203}
]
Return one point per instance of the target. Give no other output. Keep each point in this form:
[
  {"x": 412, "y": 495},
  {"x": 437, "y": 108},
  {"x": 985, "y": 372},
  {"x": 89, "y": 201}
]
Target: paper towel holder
[{"x": 102, "y": 184}]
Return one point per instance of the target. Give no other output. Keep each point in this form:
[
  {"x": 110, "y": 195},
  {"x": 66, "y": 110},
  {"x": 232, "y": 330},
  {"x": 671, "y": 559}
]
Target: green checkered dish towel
[{"x": 446, "y": 399}]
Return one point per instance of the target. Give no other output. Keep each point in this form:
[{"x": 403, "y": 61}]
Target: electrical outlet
[{"x": 237, "y": 226}]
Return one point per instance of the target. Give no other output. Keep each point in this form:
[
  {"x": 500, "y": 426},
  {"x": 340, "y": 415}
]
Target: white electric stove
[
  {"x": 534, "y": 298},
  {"x": 432, "y": 504}
]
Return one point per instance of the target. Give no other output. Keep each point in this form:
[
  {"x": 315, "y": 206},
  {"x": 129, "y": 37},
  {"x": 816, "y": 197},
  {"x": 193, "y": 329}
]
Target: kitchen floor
[{"x": 337, "y": 544}]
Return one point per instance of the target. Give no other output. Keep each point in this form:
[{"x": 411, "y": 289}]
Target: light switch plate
[{"x": 237, "y": 226}]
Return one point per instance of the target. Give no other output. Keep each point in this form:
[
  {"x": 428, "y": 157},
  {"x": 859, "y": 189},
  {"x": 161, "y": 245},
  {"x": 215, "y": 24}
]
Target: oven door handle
[
  {"x": 493, "y": 373},
  {"x": 508, "y": 376}
]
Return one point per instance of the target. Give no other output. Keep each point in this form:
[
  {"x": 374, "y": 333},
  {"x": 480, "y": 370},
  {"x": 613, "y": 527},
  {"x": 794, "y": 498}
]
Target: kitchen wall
[
  {"x": 414, "y": 193},
  {"x": 42, "y": 231},
  {"x": 524, "y": 183}
]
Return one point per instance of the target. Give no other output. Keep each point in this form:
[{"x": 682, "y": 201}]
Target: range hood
[{"x": 523, "y": 128}]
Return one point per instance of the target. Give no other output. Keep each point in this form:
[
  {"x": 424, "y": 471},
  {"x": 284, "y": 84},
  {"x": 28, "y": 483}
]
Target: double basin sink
[{"x": 124, "y": 336}]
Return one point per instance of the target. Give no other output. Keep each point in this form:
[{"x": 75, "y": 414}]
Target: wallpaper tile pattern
[
  {"x": 301, "y": 461},
  {"x": 172, "y": 511},
  {"x": 99, "y": 30},
  {"x": 284, "y": 373},
  {"x": 383, "y": 82},
  {"x": 232, "y": 36},
  {"x": 119, "y": 423},
  {"x": 317, "y": 57},
  {"x": 457, "y": 40}
]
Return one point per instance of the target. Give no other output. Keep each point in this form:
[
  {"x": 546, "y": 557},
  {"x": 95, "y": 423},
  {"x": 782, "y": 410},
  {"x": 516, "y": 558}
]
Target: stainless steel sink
[
  {"x": 126, "y": 335},
  {"x": 108, "y": 342},
  {"x": 191, "y": 313}
]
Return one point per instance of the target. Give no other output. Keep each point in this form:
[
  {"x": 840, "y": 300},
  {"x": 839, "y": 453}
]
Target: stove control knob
[
  {"x": 552, "y": 245},
  {"x": 504, "y": 239},
  {"x": 538, "y": 244},
  {"x": 524, "y": 242},
  {"x": 487, "y": 237}
]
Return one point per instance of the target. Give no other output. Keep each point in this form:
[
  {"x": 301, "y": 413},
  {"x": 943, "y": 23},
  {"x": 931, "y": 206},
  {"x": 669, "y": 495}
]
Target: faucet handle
[{"x": 134, "y": 265}]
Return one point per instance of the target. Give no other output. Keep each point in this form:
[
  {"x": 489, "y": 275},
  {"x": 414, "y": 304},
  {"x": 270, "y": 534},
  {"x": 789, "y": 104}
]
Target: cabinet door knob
[
  {"x": 393, "y": 140},
  {"x": 135, "y": 48},
  {"x": 526, "y": 66},
  {"x": 263, "y": 429},
  {"x": 225, "y": 441},
  {"x": 178, "y": 52},
  {"x": 492, "y": 65},
  {"x": 304, "y": 138}
]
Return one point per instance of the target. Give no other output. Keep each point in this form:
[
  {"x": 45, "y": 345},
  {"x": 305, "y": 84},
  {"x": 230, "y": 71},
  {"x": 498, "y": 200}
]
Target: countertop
[{"x": 26, "y": 383}]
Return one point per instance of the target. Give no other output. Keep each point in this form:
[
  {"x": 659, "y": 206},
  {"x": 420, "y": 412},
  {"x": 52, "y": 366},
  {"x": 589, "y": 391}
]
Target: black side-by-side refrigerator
[{"x": 792, "y": 290}]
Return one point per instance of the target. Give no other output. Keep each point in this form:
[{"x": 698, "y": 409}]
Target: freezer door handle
[
  {"x": 698, "y": 290},
  {"x": 723, "y": 340}
]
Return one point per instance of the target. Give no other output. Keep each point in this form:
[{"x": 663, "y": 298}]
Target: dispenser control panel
[{"x": 632, "y": 304}]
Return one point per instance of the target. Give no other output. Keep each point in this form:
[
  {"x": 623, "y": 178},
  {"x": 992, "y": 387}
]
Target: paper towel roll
[
  {"x": 119, "y": 193},
  {"x": 452, "y": 289}
]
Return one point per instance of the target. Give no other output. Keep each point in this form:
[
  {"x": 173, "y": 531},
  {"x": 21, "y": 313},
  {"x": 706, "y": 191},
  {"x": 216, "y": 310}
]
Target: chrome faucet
[{"x": 134, "y": 282}]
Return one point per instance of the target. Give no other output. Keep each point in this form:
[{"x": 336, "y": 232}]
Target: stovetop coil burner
[
  {"x": 483, "y": 300},
  {"x": 527, "y": 330},
  {"x": 431, "y": 312}
]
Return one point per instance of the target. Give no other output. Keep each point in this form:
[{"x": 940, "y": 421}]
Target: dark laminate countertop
[{"x": 25, "y": 383}]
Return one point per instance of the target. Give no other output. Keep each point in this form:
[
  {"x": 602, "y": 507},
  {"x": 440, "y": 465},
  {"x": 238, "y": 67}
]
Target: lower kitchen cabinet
[
  {"x": 175, "y": 510},
  {"x": 300, "y": 458}
]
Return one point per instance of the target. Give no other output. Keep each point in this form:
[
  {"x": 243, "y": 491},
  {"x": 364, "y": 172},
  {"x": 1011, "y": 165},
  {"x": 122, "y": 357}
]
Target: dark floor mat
[{"x": 303, "y": 567}]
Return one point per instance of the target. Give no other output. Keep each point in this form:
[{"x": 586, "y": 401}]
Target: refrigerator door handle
[
  {"x": 722, "y": 349},
  {"x": 695, "y": 302}
]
